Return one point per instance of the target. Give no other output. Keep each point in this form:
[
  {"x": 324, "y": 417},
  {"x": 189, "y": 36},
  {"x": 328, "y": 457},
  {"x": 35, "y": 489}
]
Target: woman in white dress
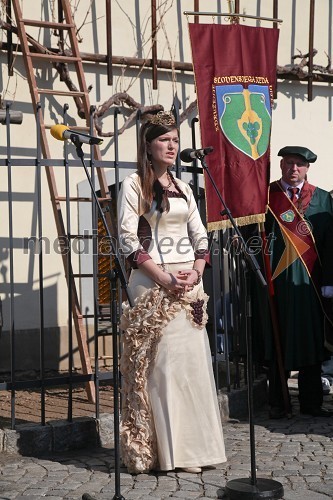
[{"x": 170, "y": 416}]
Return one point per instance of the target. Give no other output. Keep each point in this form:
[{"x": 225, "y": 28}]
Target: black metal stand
[
  {"x": 114, "y": 320},
  {"x": 247, "y": 488},
  {"x": 118, "y": 273}
]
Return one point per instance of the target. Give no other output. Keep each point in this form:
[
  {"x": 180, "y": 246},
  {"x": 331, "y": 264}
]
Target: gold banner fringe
[{"x": 240, "y": 221}]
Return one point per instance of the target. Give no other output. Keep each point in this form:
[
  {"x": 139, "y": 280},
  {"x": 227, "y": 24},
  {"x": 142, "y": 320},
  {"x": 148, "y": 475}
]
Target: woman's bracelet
[{"x": 199, "y": 276}]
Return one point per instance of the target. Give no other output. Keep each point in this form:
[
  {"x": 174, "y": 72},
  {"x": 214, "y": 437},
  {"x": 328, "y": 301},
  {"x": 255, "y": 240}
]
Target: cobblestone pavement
[{"x": 298, "y": 453}]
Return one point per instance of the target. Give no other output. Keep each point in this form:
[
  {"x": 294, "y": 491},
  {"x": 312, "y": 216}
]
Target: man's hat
[{"x": 300, "y": 151}]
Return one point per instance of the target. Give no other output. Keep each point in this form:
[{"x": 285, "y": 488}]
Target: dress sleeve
[
  {"x": 196, "y": 230},
  {"x": 128, "y": 221}
]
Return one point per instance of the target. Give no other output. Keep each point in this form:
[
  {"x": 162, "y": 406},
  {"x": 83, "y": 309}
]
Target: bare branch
[
  {"x": 300, "y": 69},
  {"x": 124, "y": 98},
  {"x": 192, "y": 107},
  {"x": 62, "y": 69},
  {"x": 120, "y": 99}
]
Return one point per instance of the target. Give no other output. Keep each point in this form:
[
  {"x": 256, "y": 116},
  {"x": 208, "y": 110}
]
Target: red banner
[{"x": 235, "y": 75}]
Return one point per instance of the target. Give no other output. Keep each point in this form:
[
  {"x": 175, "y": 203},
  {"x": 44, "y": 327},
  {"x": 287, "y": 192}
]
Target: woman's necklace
[{"x": 165, "y": 188}]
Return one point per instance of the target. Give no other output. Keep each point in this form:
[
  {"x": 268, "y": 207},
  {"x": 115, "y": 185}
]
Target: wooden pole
[
  {"x": 275, "y": 323},
  {"x": 154, "y": 42},
  {"x": 109, "y": 42}
]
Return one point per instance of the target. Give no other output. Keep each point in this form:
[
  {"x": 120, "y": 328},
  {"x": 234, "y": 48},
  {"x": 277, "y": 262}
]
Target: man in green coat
[{"x": 299, "y": 225}]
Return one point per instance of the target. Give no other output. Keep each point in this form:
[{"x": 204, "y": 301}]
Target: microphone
[
  {"x": 62, "y": 132},
  {"x": 188, "y": 155}
]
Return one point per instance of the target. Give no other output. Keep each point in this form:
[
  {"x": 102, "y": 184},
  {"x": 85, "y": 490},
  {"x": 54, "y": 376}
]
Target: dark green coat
[{"x": 300, "y": 316}]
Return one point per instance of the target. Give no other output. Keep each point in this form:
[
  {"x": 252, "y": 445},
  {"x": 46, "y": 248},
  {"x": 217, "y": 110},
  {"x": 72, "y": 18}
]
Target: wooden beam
[
  {"x": 196, "y": 9},
  {"x": 169, "y": 65},
  {"x": 109, "y": 42},
  {"x": 10, "y": 58},
  {"x": 154, "y": 43},
  {"x": 311, "y": 37}
]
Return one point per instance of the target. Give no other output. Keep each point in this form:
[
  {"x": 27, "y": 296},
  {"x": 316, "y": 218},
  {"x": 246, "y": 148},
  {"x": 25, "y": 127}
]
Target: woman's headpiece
[
  {"x": 163, "y": 118},
  {"x": 163, "y": 121}
]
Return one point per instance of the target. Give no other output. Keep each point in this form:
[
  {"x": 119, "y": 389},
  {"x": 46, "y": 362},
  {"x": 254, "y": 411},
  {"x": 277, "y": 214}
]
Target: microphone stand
[
  {"x": 246, "y": 488},
  {"x": 120, "y": 273}
]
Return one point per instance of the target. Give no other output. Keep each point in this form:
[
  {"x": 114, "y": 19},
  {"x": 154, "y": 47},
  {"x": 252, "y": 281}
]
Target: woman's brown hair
[{"x": 156, "y": 125}]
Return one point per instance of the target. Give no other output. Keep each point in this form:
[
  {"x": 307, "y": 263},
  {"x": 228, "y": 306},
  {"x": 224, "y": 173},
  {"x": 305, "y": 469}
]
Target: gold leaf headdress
[{"x": 163, "y": 118}]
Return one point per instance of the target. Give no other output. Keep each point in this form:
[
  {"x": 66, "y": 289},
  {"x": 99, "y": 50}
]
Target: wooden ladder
[{"x": 75, "y": 59}]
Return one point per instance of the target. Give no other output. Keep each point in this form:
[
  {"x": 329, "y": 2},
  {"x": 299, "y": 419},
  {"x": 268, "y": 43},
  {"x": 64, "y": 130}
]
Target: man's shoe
[
  {"x": 275, "y": 412},
  {"x": 326, "y": 385},
  {"x": 318, "y": 412}
]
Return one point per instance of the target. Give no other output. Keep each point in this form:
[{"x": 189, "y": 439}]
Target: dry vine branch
[
  {"x": 63, "y": 71},
  {"x": 191, "y": 108},
  {"x": 124, "y": 98},
  {"x": 300, "y": 69},
  {"x": 120, "y": 99}
]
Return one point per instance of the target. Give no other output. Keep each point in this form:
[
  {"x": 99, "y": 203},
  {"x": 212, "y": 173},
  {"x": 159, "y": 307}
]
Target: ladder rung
[
  {"x": 102, "y": 357},
  {"x": 87, "y": 275},
  {"x": 104, "y": 332},
  {"x": 54, "y": 57},
  {"x": 84, "y": 237},
  {"x": 82, "y": 275},
  {"x": 72, "y": 198},
  {"x": 47, "y": 24},
  {"x": 64, "y": 198},
  {"x": 80, "y": 236},
  {"x": 75, "y": 93}
]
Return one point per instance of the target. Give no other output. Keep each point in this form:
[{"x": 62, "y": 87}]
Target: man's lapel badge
[{"x": 287, "y": 216}]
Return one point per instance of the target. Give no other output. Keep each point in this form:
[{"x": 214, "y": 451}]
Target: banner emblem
[
  {"x": 245, "y": 117},
  {"x": 287, "y": 216}
]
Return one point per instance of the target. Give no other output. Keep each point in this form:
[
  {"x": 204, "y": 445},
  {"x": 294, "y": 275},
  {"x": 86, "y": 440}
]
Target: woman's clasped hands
[{"x": 181, "y": 282}]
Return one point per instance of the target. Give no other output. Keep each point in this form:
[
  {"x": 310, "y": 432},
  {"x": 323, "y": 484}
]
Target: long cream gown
[{"x": 170, "y": 416}]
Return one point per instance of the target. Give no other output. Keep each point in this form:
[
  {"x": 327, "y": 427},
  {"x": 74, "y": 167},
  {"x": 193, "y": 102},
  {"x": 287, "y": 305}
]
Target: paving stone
[
  {"x": 297, "y": 452},
  {"x": 58, "y": 492},
  {"x": 326, "y": 488},
  {"x": 186, "y": 494},
  {"x": 52, "y": 497},
  {"x": 305, "y": 495},
  {"x": 134, "y": 495},
  {"x": 189, "y": 486},
  {"x": 37, "y": 492}
]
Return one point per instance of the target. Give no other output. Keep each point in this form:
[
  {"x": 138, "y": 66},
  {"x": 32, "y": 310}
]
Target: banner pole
[
  {"x": 275, "y": 323},
  {"x": 227, "y": 15}
]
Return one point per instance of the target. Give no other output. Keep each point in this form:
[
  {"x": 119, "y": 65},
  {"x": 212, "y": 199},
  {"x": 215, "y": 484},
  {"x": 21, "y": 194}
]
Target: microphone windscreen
[
  {"x": 185, "y": 155},
  {"x": 57, "y": 131}
]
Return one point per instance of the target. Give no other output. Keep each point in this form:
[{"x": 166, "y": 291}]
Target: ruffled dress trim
[{"x": 143, "y": 327}]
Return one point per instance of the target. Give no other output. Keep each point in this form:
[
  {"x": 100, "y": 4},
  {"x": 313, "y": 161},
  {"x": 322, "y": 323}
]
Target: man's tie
[{"x": 293, "y": 194}]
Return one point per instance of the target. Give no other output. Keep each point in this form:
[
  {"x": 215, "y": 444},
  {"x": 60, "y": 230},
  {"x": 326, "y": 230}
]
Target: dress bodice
[{"x": 167, "y": 237}]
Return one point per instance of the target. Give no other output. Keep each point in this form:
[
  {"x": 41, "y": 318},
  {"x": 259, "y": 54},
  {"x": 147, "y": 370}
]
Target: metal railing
[{"x": 223, "y": 281}]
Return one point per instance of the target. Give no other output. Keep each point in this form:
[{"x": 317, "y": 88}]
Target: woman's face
[{"x": 163, "y": 150}]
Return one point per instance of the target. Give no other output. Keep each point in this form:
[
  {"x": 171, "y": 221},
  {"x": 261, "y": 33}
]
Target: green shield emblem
[
  {"x": 245, "y": 117},
  {"x": 287, "y": 216}
]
